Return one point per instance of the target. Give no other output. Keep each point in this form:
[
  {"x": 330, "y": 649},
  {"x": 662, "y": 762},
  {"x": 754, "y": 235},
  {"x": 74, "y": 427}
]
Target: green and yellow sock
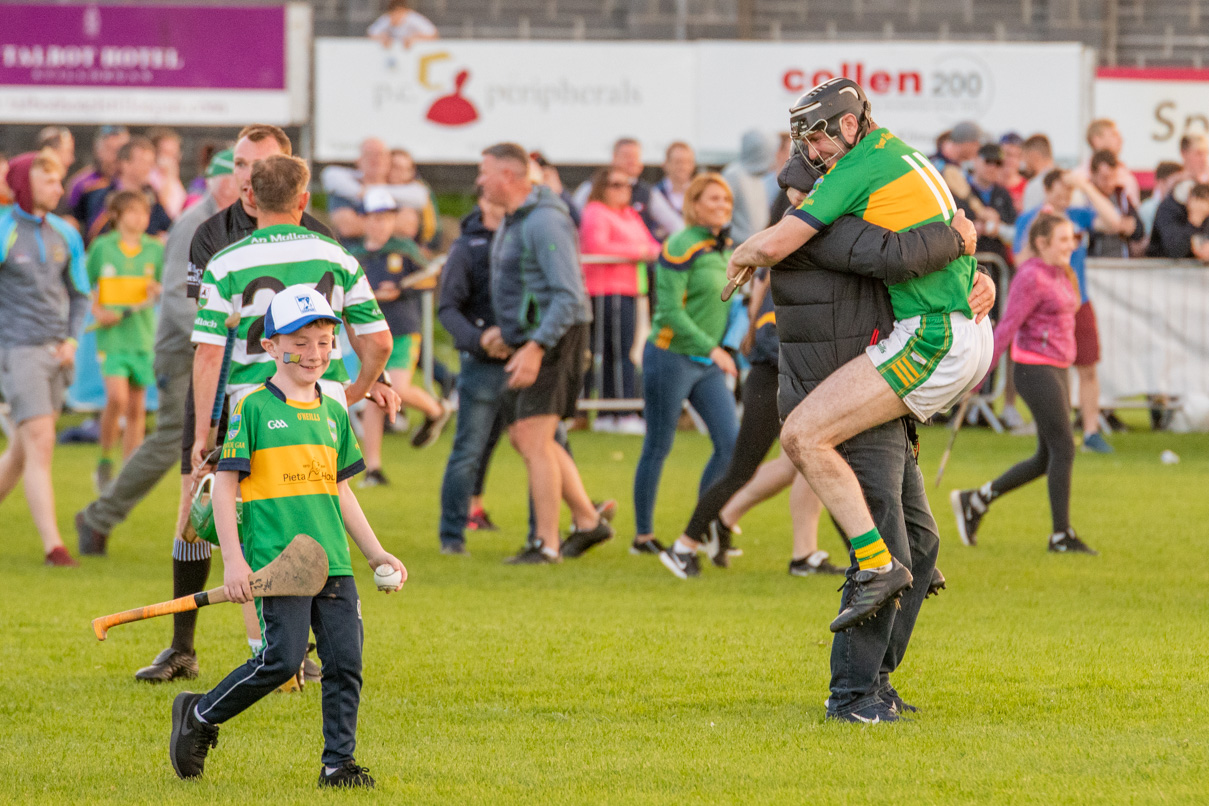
[{"x": 870, "y": 550}]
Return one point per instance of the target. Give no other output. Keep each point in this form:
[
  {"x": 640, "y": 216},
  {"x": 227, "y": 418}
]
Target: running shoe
[
  {"x": 890, "y": 697},
  {"x": 1069, "y": 543},
  {"x": 718, "y": 543},
  {"x": 430, "y": 430},
  {"x": 580, "y": 540},
  {"x": 682, "y": 564},
  {"x": 92, "y": 543},
  {"x": 873, "y": 714},
  {"x": 373, "y": 478},
  {"x": 1096, "y": 443},
  {"x": 606, "y": 509},
  {"x": 534, "y": 553},
  {"x": 969, "y": 508},
  {"x": 814, "y": 564},
  {"x": 59, "y": 558},
  {"x": 347, "y": 776},
  {"x": 480, "y": 521},
  {"x": 651, "y": 546},
  {"x": 191, "y": 738}
]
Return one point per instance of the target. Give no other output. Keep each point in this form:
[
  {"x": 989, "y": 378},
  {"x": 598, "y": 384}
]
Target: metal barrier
[
  {"x": 642, "y": 324},
  {"x": 981, "y": 403}
]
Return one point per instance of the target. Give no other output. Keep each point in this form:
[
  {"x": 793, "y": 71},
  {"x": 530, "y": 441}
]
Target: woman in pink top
[
  {"x": 1039, "y": 329},
  {"x": 611, "y": 227}
]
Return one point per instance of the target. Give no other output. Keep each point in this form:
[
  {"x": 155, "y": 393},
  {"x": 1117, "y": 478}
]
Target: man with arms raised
[{"x": 936, "y": 352}]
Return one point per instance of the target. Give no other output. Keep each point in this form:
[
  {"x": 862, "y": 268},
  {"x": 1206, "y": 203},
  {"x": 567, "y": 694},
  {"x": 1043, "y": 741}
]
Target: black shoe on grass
[
  {"x": 347, "y": 776},
  {"x": 718, "y": 543},
  {"x": 191, "y": 738},
  {"x": 580, "y": 540},
  {"x": 373, "y": 478},
  {"x": 872, "y": 714},
  {"x": 607, "y": 510},
  {"x": 92, "y": 543},
  {"x": 480, "y": 521},
  {"x": 1069, "y": 543},
  {"x": 969, "y": 508},
  {"x": 816, "y": 564},
  {"x": 891, "y": 698},
  {"x": 430, "y": 430},
  {"x": 534, "y": 553},
  {"x": 651, "y": 546},
  {"x": 171, "y": 664},
  {"x": 936, "y": 584},
  {"x": 682, "y": 564},
  {"x": 870, "y": 591},
  {"x": 312, "y": 672}
]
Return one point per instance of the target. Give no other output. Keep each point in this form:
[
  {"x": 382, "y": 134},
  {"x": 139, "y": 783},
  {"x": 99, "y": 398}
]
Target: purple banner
[{"x": 197, "y": 47}]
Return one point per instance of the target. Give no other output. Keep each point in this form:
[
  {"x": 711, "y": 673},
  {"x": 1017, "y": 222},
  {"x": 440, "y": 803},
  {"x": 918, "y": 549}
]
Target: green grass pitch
[{"x": 1042, "y": 679}]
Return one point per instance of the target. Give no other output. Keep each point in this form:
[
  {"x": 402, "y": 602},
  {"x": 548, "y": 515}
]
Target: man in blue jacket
[
  {"x": 541, "y": 308},
  {"x": 43, "y": 302}
]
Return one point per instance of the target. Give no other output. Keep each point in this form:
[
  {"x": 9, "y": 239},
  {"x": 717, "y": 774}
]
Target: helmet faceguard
[{"x": 820, "y": 112}]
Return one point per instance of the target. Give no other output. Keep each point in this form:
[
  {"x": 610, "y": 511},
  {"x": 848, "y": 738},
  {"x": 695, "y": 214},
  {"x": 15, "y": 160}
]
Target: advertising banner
[
  {"x": 446, "y": 100},
  {"x": 151, "y": 64},
  {"x": 1153, "y": 108}
]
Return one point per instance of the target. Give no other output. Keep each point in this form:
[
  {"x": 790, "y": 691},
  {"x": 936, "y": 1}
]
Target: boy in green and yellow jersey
[
  {"x": 125, "y": 267},
  {"x": 936, "y": 354},
  {"x": 291, "y": 452}
]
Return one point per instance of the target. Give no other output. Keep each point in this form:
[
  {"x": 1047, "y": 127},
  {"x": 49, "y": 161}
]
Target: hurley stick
[
  {"x": 300, "y": 570},
  {"x": 944, "y": 457}
]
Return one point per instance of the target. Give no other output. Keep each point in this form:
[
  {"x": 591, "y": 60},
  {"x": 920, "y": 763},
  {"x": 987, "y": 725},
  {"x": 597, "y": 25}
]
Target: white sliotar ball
[{"x": 387, "y": 578}]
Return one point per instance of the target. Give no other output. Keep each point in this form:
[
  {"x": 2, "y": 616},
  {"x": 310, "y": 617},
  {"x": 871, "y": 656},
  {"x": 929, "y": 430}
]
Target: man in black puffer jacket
[{"x": 826, "y": 315}]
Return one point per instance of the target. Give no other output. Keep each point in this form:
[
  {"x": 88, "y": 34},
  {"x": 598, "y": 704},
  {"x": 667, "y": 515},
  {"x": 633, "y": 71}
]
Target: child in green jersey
[
  {"x": 125, "y": 267},
  {"x": 291, "y": 452},
  {"x": 938, "y": 351}
]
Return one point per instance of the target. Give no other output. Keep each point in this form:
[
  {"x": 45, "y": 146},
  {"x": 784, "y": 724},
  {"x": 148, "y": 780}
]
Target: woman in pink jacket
[
  {"x": 1039, "y": 328},
  {"x": 612, "y": 228}
]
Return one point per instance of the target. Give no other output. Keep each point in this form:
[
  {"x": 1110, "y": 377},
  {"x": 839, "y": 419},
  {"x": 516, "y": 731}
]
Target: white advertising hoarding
[
  {"x": 1153, "y": 108},
  {"x": 447, "y": 100}
]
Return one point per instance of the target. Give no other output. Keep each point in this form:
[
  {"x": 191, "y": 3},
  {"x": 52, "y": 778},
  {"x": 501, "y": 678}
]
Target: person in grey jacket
[
  {"x": 43, "y": 302},
  {"x": 173, "y": 369},
  {"x": 541, "y": 308}
]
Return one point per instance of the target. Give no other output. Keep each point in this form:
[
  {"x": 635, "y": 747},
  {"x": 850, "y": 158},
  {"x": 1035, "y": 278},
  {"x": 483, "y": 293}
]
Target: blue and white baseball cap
[{"x": 294, "y": 307}]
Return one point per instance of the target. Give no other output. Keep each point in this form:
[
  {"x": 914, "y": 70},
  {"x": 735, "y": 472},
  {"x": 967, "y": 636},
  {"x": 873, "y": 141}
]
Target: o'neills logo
[{"x": 873, "y": 81}]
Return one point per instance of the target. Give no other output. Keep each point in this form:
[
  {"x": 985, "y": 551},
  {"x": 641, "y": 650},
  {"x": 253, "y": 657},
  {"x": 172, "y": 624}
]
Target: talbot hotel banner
[
  {"x": 447, "y": 100},
  {"x": 170, "y": 64}
]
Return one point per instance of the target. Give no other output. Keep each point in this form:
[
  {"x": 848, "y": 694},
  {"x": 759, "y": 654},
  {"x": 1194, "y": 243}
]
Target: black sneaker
[
  {"x": 682, "y": 564},
  {"x": 169, "y": 665},
  {"x": 869, "y": 592},
  {"x": 607, "y": 510},
  {"x": 813, "y": 565},
  {"x": 580, "y": 540},
  {"x": 191, "y": 738},
  {"x": 430, "y": 430},
  {"x": 872, "y": 714},
  {"x": 373, "y": 478},
  {"x": 534, "y": 553},
  {"x": 651, "y": 546},
  {"x": 717, "y": 543},
  {"x": 346, "y": 776},
  {"x": 480, "y": 521},
  {"x": 936, "y": 584},
  {"x": 969, "y": 508},
  {"x": 92, "y": 543},
  {"x": 890, "y": 697},
  {"x": 1069, "y": 543}
]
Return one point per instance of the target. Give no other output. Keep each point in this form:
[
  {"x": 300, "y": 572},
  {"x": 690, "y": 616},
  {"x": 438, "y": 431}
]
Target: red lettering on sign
[{"x": 876, "y": 82}]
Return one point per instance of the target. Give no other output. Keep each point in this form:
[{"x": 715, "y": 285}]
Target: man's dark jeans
[{"x": 863, "y": 657}]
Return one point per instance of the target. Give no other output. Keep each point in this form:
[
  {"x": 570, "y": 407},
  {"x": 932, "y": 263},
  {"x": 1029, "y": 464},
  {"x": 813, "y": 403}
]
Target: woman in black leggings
[{"x": 1039, "y": 327}]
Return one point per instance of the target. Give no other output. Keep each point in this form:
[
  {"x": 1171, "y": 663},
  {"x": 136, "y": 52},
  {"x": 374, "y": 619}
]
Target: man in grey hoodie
[
  {"x": 746, "y": 179},
  {"x": 541, "y": 307}
]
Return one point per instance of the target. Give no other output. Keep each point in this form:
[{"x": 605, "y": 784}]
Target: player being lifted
[{"x": 936, "y": 353}]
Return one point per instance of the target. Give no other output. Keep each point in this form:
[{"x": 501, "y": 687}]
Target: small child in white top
[{"x": 402, "y": 24}]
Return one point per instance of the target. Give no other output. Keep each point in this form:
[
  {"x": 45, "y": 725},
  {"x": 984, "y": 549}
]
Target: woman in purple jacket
[{"x": 1039, "y": 328}]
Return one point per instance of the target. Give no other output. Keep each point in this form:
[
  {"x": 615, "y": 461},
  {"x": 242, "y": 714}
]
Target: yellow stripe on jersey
[
  {"x": 122, "y": 290},
  {"x": 291, "y": 470},
  {"x": 689, "y": 254},
  {"x": 906, "y": 202},
  {"x": 769, "y": 318}
]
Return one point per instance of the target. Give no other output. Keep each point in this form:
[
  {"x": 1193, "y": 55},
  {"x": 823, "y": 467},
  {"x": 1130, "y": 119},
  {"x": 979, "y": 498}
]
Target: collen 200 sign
[{"x": 957, "y": 84}]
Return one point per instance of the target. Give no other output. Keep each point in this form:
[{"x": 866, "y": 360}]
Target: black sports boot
[
  {"x": 871, "y": 590},
  {"x": 580, "y": 540},
  {"x": 718, "y": 542},
  {"x": 191, "y": 738},
  {"x": 169, "y": 665},
  {"x": 346, "y": 776},
  {"x": 1069, "y": 543},
  {"x": 936, "y": 584},
  {"x": 969, "y": 507}
]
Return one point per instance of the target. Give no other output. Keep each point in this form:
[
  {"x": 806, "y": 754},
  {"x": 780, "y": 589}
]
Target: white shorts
[
  {"x": 332, "y": 389},
  {"x": 932, "y": 361}
]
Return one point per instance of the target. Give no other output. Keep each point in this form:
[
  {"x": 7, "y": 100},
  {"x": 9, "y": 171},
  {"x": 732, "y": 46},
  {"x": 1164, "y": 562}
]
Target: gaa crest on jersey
[
  {"x": 335, "y": 432},
  {"x": 394, "y": 263}
]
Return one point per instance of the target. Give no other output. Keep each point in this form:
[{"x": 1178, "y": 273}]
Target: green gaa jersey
[
  {"x": 122, "y": 277},
  {"x": 248, "y": 273},
  {"x": 290, "y": 456},
  {"x": 886, "y": 182}
]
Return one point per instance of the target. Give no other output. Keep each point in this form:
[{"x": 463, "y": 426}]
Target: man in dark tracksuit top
[
  {"x": 466, "y": 312},
  {"x": 541, "y": 307},
  {"x": 827, "y": 313},
  {"x": 191, "y": 560},
  {"x": 173, "y": 372}
]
